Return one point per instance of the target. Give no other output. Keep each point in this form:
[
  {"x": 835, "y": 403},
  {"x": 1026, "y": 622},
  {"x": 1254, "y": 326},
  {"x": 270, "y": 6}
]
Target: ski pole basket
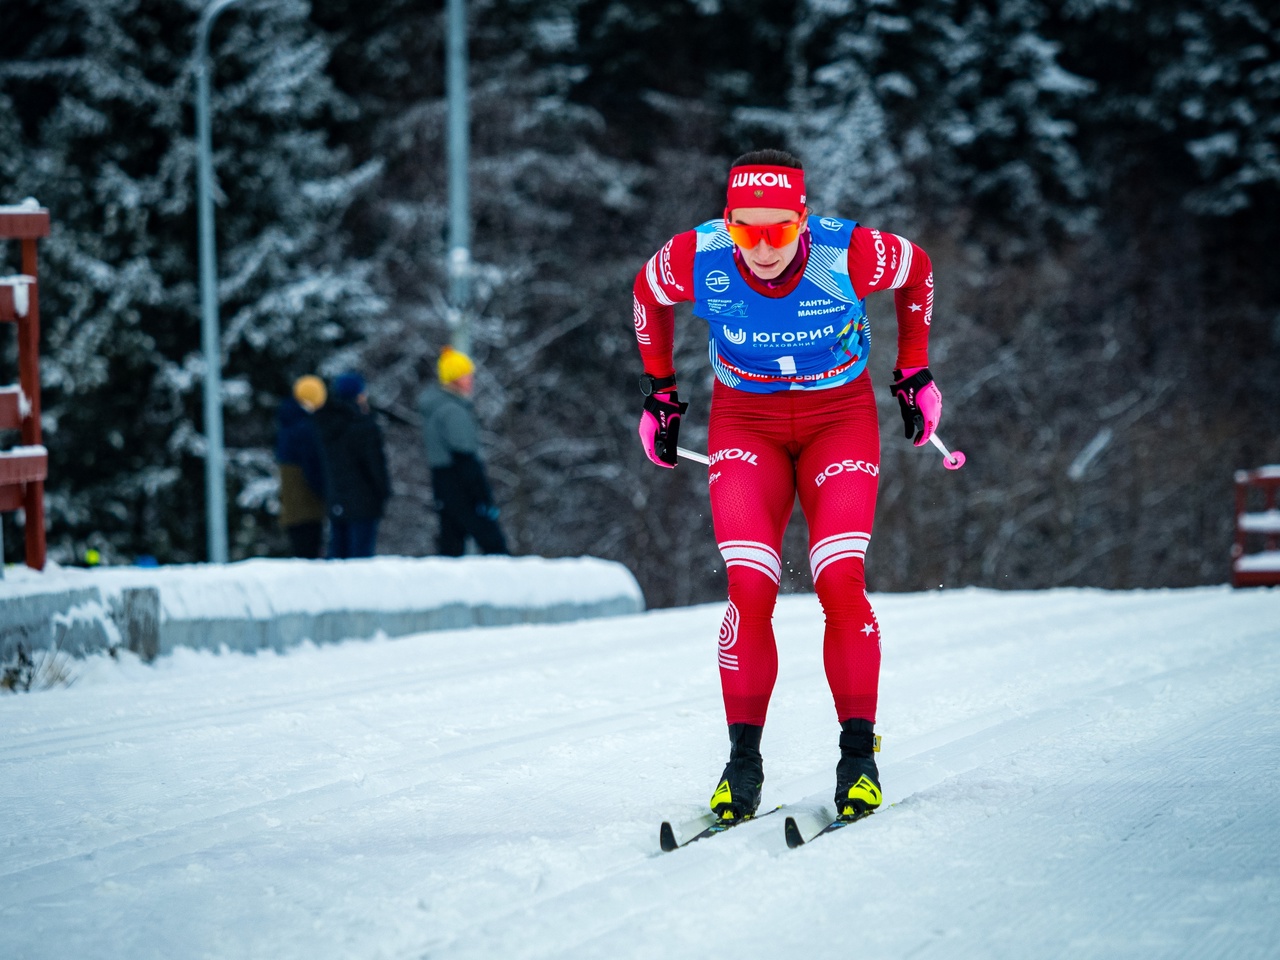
[
  {"x": 1254, "y": 489},
  {"x": 24, "y": 466}
]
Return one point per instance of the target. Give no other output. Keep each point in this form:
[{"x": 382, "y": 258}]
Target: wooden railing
[
  {"x": 24, "y": 466},
  {"x": 1254, "y": 489}
]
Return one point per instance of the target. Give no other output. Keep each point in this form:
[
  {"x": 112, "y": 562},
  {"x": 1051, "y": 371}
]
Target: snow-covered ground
[{"x": 1072, "y": 773}]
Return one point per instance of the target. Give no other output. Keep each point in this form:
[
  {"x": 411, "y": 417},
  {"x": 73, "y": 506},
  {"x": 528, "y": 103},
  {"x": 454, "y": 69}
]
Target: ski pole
[
  {"x": 952, "y": 461},
  {"x": 693, "y": 455}
]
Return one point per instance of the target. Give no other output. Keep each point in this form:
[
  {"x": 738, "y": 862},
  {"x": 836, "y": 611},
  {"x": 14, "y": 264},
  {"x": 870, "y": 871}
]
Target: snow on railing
[
  {"x": 29, "y": 205},
  {"x": 1269, "y": 472},
  {"x": 20, "y": 284},
  {"x": 23, "y": 403},
  {"x": 1266, "y": 561},
  {"x": 1265, "y": 522}
]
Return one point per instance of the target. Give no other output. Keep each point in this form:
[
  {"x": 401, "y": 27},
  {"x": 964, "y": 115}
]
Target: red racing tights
[{"x": 764, "y": 449}]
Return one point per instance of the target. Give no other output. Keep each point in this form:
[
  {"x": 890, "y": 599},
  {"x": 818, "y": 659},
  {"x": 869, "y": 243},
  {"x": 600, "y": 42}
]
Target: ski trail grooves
[
  {"x": 251, "y": 706},
  {"x": 1075, "y": 772},
  {"x": 941, "y": 756},
  {"x": 636, "y": 891},
  {"x": 404, "y": 775}
]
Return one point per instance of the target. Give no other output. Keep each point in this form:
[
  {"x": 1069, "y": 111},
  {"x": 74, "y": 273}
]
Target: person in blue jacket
[
  {"x": 357, "y": 483},
  {"x": 301, "y": 468}
]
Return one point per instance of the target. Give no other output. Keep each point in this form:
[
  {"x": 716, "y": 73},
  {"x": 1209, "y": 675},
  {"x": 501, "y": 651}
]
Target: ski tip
[
  {"x": 667, "y": 837},
  {"x": 794, "y": 839}
]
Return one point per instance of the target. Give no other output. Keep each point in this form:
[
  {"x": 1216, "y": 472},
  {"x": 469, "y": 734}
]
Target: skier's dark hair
[{"x": 769, "y": 158}]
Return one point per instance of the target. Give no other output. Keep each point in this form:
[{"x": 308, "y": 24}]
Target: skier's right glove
[
  {"x": 920, "y": 402},
  {"x": 660, "y": 427}
]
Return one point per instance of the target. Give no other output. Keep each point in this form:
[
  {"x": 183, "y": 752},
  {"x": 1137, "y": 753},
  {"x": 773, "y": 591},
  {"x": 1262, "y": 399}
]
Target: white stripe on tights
[
  {"x": 749, "y": 553},
  {"x": 839, "y": 547}
]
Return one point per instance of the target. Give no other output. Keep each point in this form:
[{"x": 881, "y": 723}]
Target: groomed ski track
[{"x": 1072, "y": 773}]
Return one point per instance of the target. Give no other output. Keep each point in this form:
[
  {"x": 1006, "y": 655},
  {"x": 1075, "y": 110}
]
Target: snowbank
[{"x": 274, "y": 604}]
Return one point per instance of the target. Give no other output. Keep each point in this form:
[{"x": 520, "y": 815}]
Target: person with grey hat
[
  {"x": 357, "y": 484},
  {"x": 463, "y": 499}
]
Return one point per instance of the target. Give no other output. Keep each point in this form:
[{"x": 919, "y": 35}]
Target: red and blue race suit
[{"x": 792, "y": 413}]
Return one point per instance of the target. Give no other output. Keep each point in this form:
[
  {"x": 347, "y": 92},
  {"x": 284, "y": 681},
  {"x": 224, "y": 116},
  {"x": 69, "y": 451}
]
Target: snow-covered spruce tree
[
  {"x": 576, "y": 113},
  {"x": 545, "y": 200},
  {"x": 948, "y": 122},
  {"x": 553, "y": 205},
  {"x": 1096, "y": 182},
  {"x": 940, "y": 109},
  {"x": 1178, "y": 284},
  {"x": 103, "y": 93},
  {"x": 665, "y": 79}
]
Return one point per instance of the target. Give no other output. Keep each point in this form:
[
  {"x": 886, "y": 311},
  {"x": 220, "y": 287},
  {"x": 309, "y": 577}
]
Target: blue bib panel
[{"x": 814, "y": 338}]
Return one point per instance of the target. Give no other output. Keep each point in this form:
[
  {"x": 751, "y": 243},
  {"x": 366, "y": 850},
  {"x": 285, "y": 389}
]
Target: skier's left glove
[
  {"x": 660, "y": 427},
  {"x": 920, "y": 402}
]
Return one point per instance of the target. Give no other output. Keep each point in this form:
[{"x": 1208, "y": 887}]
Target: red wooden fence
[
  {"x": 24, "y": 467},
  {"x": 1258, "y": 568}
]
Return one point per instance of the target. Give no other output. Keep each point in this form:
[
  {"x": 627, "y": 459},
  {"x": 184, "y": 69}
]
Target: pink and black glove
[
  {"x": 920, "y": 402},
  {"x": 660, "y": 422}
]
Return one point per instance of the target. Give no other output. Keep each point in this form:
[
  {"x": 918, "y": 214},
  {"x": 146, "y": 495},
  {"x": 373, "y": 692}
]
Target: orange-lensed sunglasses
[{"x": 748, "y": 236}]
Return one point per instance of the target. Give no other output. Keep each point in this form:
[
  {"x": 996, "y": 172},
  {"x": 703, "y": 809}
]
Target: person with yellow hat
[
  {"x": 463, "y": 499},
  {"x": 301, "y": 467},
  {"x": 455, "y": 369},
  {"x": 310, "y": 392}
]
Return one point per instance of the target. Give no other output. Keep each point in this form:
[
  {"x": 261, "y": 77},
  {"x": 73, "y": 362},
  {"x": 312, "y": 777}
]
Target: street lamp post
[
  {"x": 459, "y": 206},
  {"x": 215, "y": 473}
]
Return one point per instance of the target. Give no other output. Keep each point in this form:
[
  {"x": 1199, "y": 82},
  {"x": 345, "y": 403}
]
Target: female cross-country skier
[{"x": 792, "y": 410}]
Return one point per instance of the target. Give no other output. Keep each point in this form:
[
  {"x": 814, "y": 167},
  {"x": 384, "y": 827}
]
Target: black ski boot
[
  {"x": 857, "y": 779},
  {"x": 738, "y": 795}
]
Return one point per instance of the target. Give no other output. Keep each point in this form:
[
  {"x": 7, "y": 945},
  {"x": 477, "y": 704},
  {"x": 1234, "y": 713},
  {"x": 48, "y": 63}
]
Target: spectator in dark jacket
[
  {"x": 301, "y": 468},
  {"x": 357, "y": 485},
  {"x": 464, "y": 501}
]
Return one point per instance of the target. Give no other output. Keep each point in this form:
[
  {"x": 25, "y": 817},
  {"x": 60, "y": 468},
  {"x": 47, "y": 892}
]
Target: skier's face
[
  {"x": 763, "y": 259},
  {"x": 465, "y": 385}
]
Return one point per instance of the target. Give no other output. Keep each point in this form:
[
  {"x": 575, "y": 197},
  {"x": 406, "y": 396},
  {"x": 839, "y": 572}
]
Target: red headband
[{"x": 766, "y": 186}]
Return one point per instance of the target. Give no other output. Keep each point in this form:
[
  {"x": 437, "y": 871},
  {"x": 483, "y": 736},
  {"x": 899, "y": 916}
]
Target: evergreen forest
[{"x": 1097, "y": 183}]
